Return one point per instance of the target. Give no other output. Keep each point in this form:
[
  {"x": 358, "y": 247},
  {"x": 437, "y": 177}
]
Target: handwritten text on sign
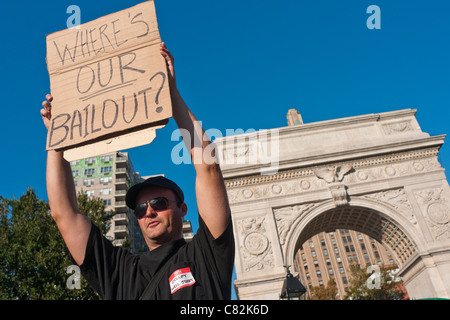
[{"x": 107, "y": 78}]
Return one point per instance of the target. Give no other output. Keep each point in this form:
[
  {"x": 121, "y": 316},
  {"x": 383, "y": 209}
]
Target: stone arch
[
  {"x": 378, "y": 174},
  {"x": 375, "y": 219}
]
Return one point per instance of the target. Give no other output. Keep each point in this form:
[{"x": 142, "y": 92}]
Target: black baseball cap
[{"x": 158, "y": 181}]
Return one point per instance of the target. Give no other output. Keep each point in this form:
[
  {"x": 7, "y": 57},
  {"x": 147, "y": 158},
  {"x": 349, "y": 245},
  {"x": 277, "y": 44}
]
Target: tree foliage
[
  {"x": 378, "y": 285},
  {"x": 328, "y": 292},
  {"x": 33, "y": 256}
]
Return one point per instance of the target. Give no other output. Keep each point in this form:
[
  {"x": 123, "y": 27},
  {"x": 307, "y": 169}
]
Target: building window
[
  {"x": 106, "y": 180},
  {"x": 75, "y": 173},
  {"x": 331, "y": 272},
  {"x": 319, "y": 274},
  {"x": 328, "y": 262},
  {"x": 311, "y": 244},
  {"x": 105, "y": 191},
  {"x": 106, "y": 158},
  {"x": 89, "y": 161},
  {"x": 336, "y": 251},
  {"x": 89, "y": 172},
  {"x": 88, "y": 182},
  {"x": 344, "y": 280},
  {"x": 325, "y": 252},
  {"x": 316, "y": 264},
  {"x": 107, "y": 202},
  {"x": 89, "y": 193},
  {"x": 106, "y": 170},
  {"x": 342, "y": 270}
]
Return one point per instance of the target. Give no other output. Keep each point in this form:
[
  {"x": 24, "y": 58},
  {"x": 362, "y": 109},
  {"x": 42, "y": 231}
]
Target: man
[{"x": 200, "y": 269}]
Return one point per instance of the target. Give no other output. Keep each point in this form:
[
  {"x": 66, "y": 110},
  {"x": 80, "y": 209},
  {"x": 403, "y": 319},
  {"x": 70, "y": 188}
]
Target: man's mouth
[{"x": 152, "y": 224}]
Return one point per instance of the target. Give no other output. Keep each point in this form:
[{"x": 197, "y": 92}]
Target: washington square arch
[{"x": 377, "y": 174}]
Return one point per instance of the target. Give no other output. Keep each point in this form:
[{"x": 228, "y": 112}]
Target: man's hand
[
  {"x": 46, "y": 112},
  {"x": 170, "y": 66}
]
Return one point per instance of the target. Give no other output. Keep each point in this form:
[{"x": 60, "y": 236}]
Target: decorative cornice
[{"x": 309, "y": 171}]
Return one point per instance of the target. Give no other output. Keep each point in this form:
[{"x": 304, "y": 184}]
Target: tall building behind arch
[{"x": 329, "y": 255}]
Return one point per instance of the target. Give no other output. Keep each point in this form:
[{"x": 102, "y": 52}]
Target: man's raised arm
[
  {"x": 73, "y": 225},
  {"x": 212, "y": 200}
]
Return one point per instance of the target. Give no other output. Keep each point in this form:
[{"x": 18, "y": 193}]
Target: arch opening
[{"x": 365, "y": 220}]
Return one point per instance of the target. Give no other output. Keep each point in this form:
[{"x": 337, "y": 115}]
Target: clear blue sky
[{"x": 242, "y": 64}]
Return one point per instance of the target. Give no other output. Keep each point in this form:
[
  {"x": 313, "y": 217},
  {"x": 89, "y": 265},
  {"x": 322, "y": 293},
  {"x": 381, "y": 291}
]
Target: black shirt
[{"x": 201, "y": 269}]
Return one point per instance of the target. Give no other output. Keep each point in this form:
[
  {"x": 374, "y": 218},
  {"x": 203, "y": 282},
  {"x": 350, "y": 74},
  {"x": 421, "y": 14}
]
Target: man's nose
[{"x": 151, "y": 213}]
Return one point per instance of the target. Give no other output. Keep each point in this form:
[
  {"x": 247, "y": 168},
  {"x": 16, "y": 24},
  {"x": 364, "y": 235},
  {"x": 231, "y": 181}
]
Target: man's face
[{"x": 159, "y": 227}]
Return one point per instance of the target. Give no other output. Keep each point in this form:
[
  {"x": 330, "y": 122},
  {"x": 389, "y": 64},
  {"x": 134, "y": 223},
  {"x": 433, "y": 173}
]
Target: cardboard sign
[
  {"x": 108, "y": 79},
  {"x": 127, "y": 141}
]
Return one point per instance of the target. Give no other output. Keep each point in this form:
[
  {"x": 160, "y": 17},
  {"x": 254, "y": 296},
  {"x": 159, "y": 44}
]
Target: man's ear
[{"x": 184, "y": 209}]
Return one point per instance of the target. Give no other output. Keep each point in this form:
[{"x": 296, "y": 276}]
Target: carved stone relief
[
  {"x": 339, "y": 194},
  {"x": 256, "y": 248},
  {"x": 397, "y": 127},
  {"x": 265, "y": 191},
  {"x": 335, "y": 178},
  {"x": 333, "y": 173},
  {"x": 437, "y": 211},
  {"x": 397, "y": 199},
  {"x": 286, "y": 217}
]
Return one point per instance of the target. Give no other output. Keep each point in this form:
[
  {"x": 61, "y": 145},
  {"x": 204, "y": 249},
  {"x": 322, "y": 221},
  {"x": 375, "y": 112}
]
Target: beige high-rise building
[
  {"x": 330, "y": 255},
  {"x": 109, "y": 177}
]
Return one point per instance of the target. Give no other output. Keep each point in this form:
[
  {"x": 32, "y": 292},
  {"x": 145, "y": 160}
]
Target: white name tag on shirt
[{"x": 181, "y": 278}]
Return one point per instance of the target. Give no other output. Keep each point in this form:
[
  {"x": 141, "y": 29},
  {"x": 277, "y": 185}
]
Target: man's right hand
[{"x": 46, "y": 111}]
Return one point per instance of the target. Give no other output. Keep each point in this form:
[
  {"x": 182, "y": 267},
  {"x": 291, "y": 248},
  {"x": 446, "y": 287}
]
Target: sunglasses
[{"x": 157, "y": 204}]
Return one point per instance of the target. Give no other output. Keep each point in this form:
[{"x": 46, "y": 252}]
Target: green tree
[
  {"x": 94, "y": 208},
  {"x": 328, "y": 292},
  {"x": 378, "y": 284},
  {"x": 33, "y": 255}
]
